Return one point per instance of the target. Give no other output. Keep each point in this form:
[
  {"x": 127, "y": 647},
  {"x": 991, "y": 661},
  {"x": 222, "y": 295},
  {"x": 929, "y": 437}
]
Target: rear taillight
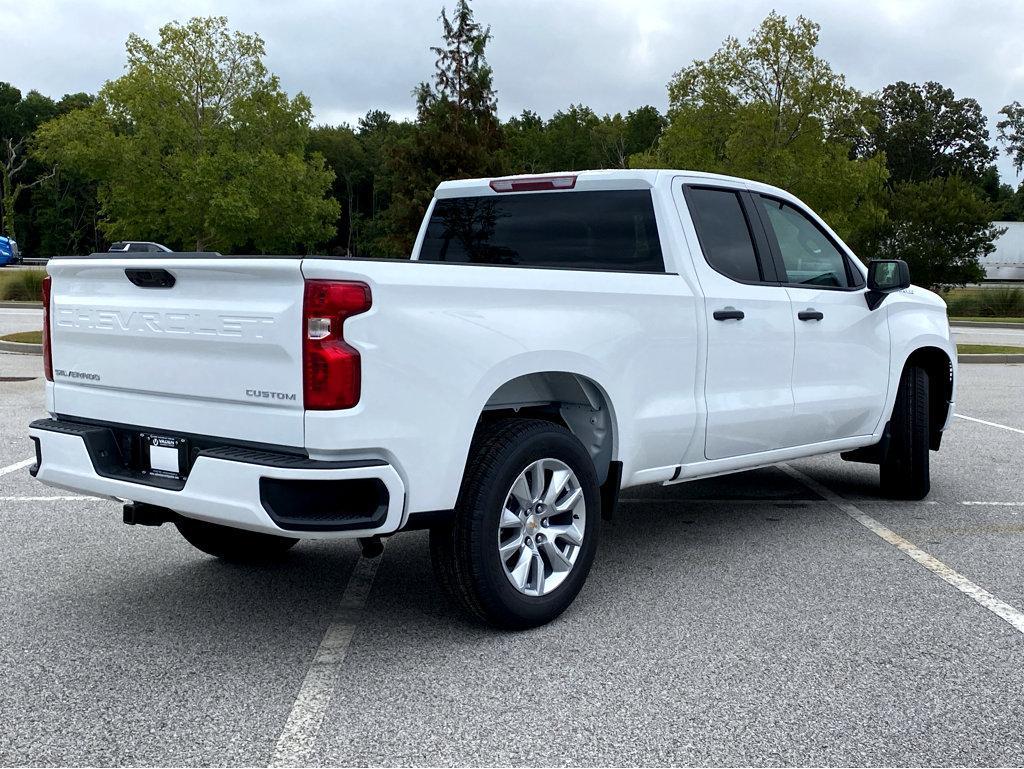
[
  {"x": 47, "y": 350},
  {"x": 331, "y": 368}
]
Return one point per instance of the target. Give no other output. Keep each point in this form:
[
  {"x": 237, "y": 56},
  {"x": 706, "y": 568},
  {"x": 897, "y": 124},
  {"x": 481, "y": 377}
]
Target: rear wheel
[
  {"x": 526, "y": 525},
  {"x": 905, "y": 474},
  {"x": 231, "y": 544}
]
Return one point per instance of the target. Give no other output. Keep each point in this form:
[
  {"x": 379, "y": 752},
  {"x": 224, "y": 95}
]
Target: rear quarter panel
[{"x": 440, "y": 339}]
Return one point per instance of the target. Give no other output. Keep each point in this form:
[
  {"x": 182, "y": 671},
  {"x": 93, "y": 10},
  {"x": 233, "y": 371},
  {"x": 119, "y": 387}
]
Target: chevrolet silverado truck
[{"x": 552, "y": 340}]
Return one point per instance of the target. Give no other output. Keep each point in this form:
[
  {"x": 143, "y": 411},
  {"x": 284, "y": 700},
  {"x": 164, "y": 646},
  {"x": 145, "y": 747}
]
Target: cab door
[
  {"x": 841, "y": 363},
  {"x": 750, "y": 327}
]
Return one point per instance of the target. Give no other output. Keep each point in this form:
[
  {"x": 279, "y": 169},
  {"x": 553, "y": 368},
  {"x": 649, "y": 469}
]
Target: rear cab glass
[{"x": 613, "y": 230}]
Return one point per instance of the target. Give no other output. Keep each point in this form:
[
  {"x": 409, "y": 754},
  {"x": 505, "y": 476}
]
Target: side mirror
[{"x": 884, "y": 277}]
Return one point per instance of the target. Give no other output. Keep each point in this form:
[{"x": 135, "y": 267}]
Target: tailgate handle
[{"x": 150, "y": 278}]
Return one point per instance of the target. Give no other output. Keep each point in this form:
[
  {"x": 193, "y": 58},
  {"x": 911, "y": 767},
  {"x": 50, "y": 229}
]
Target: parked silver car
[{"x": 138, "y": 246}]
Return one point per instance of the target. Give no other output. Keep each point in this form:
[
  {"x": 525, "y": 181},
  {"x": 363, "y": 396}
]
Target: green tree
[
  {"x": 644, "y": 126},
  {"x": 618, "y": 138},
  {"x": 576, "y": 138},
  {"x": 196, "y": 145},
  {"x": 941, "y": 227},
  {"x": 525, "y": 150},
  {"x": 925, "y": 131},
  {"x": 570, "y": 140},
  {"x": 346, "y": 157},
  {"x": 1011, "y": 133},
  {"x": 382, "y": 138},
  {"x": 64, "y": 209},
  {"x": 19, "y": 118},
  {"x": 943, "y": 189},
  {"x": 457, "y": 133},
  {"x": 770, "y": 109},
  {"x": 1008, "y": 203}
]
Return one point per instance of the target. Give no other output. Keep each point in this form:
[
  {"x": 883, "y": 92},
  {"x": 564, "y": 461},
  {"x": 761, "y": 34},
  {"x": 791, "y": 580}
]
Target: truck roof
[{"x": 613, "y": 178}]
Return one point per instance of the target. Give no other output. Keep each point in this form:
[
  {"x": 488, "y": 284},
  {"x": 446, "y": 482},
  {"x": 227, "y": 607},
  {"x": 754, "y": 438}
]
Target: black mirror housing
[
  {"x": 884, "y": 277},
  {"x": 888, "y": 275}
]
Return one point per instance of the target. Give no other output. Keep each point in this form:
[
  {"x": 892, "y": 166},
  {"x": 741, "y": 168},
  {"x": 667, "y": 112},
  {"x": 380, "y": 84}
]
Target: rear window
[
  {"x": 603, "y": 230},
  {"x": 724, "y": 233}
]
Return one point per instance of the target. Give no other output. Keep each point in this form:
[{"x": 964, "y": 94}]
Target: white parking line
[
  {"x": 990, "y": 424},
  {"x": 307, "y": 714},
  {"x": 995, "y": 504},
  {"x": 756, "y": 502},
  {"x": 723, "y": 501},
  {"x": 68, "y": 498},
  {"x": 16, "y": 466},
  {"x": 1004, "y": 611}
]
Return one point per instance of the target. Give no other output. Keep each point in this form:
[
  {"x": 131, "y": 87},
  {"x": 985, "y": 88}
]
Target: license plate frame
[{"x": 164, "y": 456}]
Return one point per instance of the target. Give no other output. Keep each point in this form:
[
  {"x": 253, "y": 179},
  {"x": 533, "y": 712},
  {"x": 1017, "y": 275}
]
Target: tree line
[{"x": 198, "y": 146}]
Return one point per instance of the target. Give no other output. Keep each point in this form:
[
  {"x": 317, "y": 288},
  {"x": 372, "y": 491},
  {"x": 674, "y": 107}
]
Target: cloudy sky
[{"x": 353, "y": 55}]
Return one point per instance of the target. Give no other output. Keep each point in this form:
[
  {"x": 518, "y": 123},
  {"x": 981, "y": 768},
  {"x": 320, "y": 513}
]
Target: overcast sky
[{"x": 349, "y": 56}]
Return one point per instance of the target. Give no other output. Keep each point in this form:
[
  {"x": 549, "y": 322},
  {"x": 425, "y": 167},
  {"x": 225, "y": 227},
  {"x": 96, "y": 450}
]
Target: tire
[
  {"x": 904, "y": 474},
  {"x": 557, "y": 530},
  {"x": 231, "y": 544}
]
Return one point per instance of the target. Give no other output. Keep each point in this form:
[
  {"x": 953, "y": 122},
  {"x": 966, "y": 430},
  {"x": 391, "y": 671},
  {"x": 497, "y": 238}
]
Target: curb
[
  {"x": 984, "y": 324},
  {"x": 990, "y": 358},
  {"x": 21, "y": 348},
  {"x": 21, "y": 305}
]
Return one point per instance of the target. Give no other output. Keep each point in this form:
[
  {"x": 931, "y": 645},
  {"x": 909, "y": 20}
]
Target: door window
[
  {"x": 724, "y": 233},
  {"x": 809, "y": 256}
]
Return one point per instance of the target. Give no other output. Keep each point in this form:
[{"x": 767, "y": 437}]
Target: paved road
[
  {"x": 20, "y": 319},
  {"x": 741, "y": 620},
  {"x": 1009, "y": 336}
]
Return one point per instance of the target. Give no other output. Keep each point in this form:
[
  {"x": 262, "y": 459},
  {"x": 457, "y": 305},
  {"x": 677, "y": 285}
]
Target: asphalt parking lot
[{"x": 752, "y": 619}]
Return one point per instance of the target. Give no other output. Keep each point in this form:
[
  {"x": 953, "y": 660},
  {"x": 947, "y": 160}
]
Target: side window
[
  {"x": 809, "y": 256},
  {"x": 724, "y": 233}
]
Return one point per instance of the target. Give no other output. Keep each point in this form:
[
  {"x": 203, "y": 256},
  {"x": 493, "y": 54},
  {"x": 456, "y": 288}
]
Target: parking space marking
[
  {"x": 725, "y": 501},
  {"x": 67, "y": 498},
  {"x": 1003, "y": 610},
  {"x": 307, "y": 714},
  {"x": 990, "y": 424},
  {"x": 16, "y": 466},
  {"x": 760, "y": 502},
  {"x": 994, "y": 504}
]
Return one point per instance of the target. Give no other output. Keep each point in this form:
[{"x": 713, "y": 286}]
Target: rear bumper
[{"x": 249, "y": 489}]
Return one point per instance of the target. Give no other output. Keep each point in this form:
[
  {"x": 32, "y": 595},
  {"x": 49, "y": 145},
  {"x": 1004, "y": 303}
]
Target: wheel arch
[
  {"x": 939, "y": 367},
  {"x": 573, "y": 400}
]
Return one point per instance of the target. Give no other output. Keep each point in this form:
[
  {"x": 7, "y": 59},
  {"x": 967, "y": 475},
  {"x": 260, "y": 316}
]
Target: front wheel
[
  {"x": 526, "y": 525},
  {"x": 904, "y": 474},
  {"x": 231, "y": 544}
]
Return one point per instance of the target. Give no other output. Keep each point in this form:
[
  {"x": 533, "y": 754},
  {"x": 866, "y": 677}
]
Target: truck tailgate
[{"x": 217, "y": 353}]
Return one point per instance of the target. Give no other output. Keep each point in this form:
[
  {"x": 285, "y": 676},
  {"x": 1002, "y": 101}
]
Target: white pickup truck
[{"x": 552, "y": 340}]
